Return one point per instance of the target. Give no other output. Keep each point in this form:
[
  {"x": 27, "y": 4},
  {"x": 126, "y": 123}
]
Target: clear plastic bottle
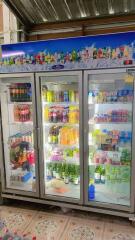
[{"x": 34, "y": 184}]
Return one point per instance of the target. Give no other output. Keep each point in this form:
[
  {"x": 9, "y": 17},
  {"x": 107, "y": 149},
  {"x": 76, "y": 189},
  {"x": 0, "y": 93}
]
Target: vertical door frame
[
  {"x": 4, "y": 188},
  {"x": 40, "y": 135},
  {"x": 86, "y": 148}
]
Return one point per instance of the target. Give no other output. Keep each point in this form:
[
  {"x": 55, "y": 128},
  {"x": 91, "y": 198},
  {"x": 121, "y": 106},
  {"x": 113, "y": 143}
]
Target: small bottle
[
  {"x": 91, "y": 190},
  {"x": 34, "y": 184},
  {"x": 66, "y": 96},
  {"x": 54, "y": 115}
]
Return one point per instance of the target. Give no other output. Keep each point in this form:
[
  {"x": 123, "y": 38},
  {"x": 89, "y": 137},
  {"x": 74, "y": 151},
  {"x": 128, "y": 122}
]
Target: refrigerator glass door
[
  {"x": 110, "y": 108},
  {"x": 18, "y": 121},
  {"x": 61, "y": 135}
]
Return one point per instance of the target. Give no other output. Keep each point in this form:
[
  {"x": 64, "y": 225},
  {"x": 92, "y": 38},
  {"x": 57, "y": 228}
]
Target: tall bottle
[{"x": 91, "y": 190}]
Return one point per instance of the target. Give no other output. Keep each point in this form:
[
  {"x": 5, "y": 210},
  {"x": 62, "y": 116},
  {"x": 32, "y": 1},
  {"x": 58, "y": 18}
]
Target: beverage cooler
[
  {"x": 19, "y": 140},
  {"x": 109, "y": 139},
  {"x": 68, "y": 138},
  {"x": 60, "y": 135}
]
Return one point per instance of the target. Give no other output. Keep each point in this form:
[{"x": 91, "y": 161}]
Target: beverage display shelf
[
  {"x": 60, "y": 103},
  {"x": 102, "y": 123},
  {"x": 96, "y": 145},
  {"x": 107, "y": 151},
  {"x": 61, "y": 124},
  {"x": 63, "y": 161},
  {"x": 60, "y": 145},
  {"x": 21, "y": 123},
  {"x": 111, "y": 103},
  {"x": 108, "y": 164},
  {"x": 23, "y": 102}
]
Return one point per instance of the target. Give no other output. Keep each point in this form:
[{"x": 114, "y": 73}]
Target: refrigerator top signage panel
[{"x": 89, "y": 52}]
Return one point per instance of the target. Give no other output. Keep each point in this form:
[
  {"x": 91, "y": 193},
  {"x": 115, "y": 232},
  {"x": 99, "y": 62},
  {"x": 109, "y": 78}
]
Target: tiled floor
[{"x": 53, "y": 224}]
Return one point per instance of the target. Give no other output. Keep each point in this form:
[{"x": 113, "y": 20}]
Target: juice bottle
[
  {"x": 49, "y": 96},
  {"x": 71, "y": 96},
  {"x": 76, "y": 96},
  {"x": 44, "y": 93},
  {"x": 46, "y": 113}
]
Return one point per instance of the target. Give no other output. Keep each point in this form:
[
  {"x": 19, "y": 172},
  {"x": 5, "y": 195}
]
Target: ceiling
[{"x": 31, "y": 12}]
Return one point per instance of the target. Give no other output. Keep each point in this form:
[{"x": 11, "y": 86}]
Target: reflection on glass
[
  {"x": 60, "y": 114},
  {"x": 17, "y": 120},
  {"x": 110, "y": 101}
]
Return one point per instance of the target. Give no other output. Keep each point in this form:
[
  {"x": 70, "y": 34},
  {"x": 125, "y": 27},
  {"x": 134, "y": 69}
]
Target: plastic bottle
[
  {"x": 66, "y": 96},
  {"x": 72, "y": 96},
  {"x": 64, "y": 117},
  {"x": 34, "y": 184},
  {"x": 54, "y": 115},
  {"x": 46, "y": 114},
  {"x": 91, "y": 190}
]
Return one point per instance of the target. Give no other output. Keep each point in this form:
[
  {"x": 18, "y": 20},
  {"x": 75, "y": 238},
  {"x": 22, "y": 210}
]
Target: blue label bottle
[{"x": 91, "y": 190}]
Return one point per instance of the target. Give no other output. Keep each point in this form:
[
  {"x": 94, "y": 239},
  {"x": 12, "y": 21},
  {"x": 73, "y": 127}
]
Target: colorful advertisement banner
[{"x": 90, "y": 52}]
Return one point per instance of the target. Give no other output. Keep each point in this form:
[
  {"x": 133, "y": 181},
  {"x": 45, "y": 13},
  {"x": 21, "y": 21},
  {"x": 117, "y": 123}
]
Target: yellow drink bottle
[{"x": 46, "y": 114}]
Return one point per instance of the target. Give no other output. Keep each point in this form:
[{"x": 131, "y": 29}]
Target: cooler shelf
[
  {"x": 61, "y": 103},
  {"x": 111, "y": 103},
  {"x": 59, "y": 124}
]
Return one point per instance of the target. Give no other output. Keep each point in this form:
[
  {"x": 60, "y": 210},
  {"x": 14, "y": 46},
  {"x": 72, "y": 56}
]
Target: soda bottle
[
  {"x": 16, "y": 113},
  {"x": 11, "y": 93},
  {"x": 66, "y": 96},
  {"x": 27, "y": 113},
  {"x": 65, "y": 117},
  {"x": 50, "y": 115},
  {"x": 22, "y": 94},
  {"x": 14, "y": 94},
  {"x": 54, "y": 115}
]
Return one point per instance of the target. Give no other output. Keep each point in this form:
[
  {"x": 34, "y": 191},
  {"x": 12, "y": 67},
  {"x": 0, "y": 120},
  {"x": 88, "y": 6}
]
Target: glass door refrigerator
[
  {"x": 109, "y": 138},
  {"x": 60, "y": 131},
  {"x": 19, "y": 141}
]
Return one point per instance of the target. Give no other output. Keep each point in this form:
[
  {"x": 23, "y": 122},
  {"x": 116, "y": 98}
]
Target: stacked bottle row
[
  {"x": 123, "y": 95},
  {"x": 22, "y": 113},
  {"x": 57, "y": 114},
  {"x": 21, "y": 177},
  {"x": 113, "y": 116},
  {"x": 107, "y": 174},
  {"x": 123, "y": 157},
  {"x": 58, "y": 154},
  {"x": 22, "y": 152},
  {"x": 110, "y": 140},
  {"x": 20, "y": 92},
  {"x": 60, "y": 96},
  {"x": 16, "y": 139},
  {"x": 112, "y": 174},
  {"x": 64, "y": 171},
  {"x": 63, "y": 135}
]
